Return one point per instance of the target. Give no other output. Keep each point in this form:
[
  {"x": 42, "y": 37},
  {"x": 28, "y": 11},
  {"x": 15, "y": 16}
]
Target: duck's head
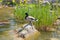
[{"x": 26, "y": 14}]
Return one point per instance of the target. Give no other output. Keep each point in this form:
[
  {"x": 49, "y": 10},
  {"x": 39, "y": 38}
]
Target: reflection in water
[
  {"x": 48, "y": 35},
  {"x": 3, "y": 29},
  {"x": 4, "y": 34},
  {"x": 12, "y": 24},
  {"x": 9, "y": 26}
]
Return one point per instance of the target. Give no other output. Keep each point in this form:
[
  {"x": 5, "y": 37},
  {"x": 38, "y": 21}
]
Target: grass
[{"x": 42, "y": 13}]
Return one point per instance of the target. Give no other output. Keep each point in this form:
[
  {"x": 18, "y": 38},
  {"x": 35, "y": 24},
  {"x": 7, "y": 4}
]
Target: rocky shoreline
[{"x": 29, "y": 36}]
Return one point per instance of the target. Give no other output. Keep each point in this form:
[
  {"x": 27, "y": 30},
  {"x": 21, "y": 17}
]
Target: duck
[
  {"x": 30, "y": 27},
  {"x": 30, "y": 18},
  {"x": 27, "y": 28}
]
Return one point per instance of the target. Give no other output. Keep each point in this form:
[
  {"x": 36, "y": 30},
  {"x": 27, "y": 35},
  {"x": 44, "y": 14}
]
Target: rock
[
  {"x": 14, "y": 35},
  {"x": 52, "y": 29},
  {"x": 57, "y": 22},
  {"x": 30, "y": 36},
  {"x": 34, "y": 36},
  {"x": 27, "y": 32},
  {"x": 48, "y": 29},
  {"x": 58, "y": 32},
  {"x": 0, "y": 7},
  {"x": 29, "y": 28}
]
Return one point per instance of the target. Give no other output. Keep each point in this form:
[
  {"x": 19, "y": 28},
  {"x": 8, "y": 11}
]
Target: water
[{"x": 4, "y": 34}]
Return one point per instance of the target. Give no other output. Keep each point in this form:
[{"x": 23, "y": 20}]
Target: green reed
[{"x": 40, "y": 12}]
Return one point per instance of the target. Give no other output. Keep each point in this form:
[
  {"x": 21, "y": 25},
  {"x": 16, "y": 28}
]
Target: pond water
[{"x": 4, "y": 34}]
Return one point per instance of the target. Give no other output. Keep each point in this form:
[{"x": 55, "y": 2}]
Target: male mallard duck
[
  {"x": 30, "y": 18},
  {"x": 27, "y": 28}
]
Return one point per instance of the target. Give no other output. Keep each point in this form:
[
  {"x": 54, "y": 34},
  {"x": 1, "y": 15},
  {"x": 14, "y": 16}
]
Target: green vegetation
[{"x": 42, "y": 13}]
